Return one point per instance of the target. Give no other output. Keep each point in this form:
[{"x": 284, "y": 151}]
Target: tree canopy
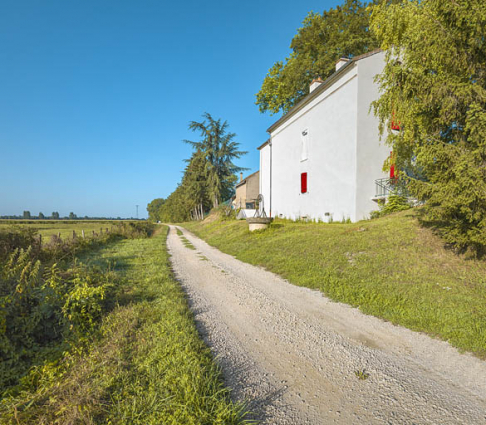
[
  {"x": 154, "y": 209},
  {"x": 317, "y": 46},
  {"x": 434, "y": 86},
  {"x": 209, "y": 176},
  {"x": 218, "y": 150}
]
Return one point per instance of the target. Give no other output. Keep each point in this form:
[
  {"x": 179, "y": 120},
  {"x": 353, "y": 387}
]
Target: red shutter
[
  {"x": 394, "y": 124},
  {"x": 303, "y": 183},
  {"x": 393, "y": 172}
]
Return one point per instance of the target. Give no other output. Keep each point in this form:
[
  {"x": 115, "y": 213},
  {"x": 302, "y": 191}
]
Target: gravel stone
[{"x": 294, "y": 356}]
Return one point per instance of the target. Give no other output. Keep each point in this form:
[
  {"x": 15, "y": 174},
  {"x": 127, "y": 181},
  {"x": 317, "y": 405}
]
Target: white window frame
[{"x": 304, "y": 145}]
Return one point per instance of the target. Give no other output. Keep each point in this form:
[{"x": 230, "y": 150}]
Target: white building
[{"x": 324, "y": 155}]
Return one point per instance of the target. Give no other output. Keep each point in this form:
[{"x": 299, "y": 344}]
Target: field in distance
[{"x": 47, "y": 228}]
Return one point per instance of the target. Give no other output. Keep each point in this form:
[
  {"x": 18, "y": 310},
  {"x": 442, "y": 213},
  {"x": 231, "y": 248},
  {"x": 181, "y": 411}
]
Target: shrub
[{"x": 394, "y": 203}]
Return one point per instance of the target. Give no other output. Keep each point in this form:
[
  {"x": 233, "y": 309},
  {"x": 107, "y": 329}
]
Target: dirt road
[{"x": 297, "y": 358}]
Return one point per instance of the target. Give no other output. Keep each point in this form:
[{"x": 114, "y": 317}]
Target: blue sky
[{"x": 96, "y": 96}]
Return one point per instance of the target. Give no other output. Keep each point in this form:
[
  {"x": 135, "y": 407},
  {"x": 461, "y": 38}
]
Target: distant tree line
[
  {"x": 26, "y": 215},
  {"x": 209, "y": 177}
]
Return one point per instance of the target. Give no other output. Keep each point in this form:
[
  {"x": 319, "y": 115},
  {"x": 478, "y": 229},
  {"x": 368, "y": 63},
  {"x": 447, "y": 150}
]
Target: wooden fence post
[
  {"x": 82, "y": 234},
  {"x": 74, "y": 234}
]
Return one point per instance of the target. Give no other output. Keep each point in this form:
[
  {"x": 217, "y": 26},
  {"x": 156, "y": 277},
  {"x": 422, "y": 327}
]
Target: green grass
[
  {"x": 185, "y": 241},
  {"x": 146, "y": 366},
  {"x": 389, "y": 267},
  {"x": 47, "y": 228}
]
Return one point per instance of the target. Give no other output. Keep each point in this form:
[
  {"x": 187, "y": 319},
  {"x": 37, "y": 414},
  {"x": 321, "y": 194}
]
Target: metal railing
[{"x": 386, "y": 187}]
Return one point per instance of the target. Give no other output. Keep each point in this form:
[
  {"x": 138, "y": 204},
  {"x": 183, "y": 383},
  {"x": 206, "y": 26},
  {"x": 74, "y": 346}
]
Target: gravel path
[{"x": 294, "y": 355}]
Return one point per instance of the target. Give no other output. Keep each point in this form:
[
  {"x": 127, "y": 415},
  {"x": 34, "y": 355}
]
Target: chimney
[
  {"x": 316, "y": 82},
  {"x": 241, "y": 177},
  {"x": 341, "y": 62}
]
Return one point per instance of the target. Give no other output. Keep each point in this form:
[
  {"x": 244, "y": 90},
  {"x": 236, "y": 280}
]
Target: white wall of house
[
  {"x": 334, "y": 139},
  {"x": 265, "y": 177},
  {"x": 371, "y": 152}
]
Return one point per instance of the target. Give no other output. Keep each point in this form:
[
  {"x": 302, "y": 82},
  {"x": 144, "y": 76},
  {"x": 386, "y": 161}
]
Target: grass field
[
  {"x": 147, "y": 364},
  {"x": 388, "y": 267},
  {"x": 47, "y": 228}
]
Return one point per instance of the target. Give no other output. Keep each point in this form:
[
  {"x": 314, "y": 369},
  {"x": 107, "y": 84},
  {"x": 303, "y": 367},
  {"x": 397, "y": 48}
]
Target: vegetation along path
[{"x": 296, "y": 357}]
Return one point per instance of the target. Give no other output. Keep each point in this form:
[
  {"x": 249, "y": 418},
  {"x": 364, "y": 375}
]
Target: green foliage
[
  {"x": 83, "y": 303},
  {"x": 146, "y": 363},
  {"x": 361, "y": 374},
  {"x": 209, "y": 177},
  {"x": 46, "y": 302},
  {"x": 154, "y": 209},
  {"x": 391, "y": 268},
  {"x": 12, "y": 237},
  {"x": 38, "y": 311},
  {"x": 317, "y": 46},
  {"x": 434, "y": 84},
  {"x": 394, "y": 203},
  {"x": 216, "y": 150}
]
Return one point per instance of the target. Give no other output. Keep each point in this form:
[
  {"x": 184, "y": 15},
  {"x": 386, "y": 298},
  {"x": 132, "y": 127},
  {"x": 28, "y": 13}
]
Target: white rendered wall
[
  {"x": 371, "y": 152},
  {"x": 331, "y": 122},
  {"x": 265, "y": 177}
]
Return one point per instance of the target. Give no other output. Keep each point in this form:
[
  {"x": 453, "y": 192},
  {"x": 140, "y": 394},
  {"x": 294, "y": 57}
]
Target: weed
[
  {"x": 144, "y": 363},
  {"x": 187, "y": 244},
  {"x": 361, "y": 374}
]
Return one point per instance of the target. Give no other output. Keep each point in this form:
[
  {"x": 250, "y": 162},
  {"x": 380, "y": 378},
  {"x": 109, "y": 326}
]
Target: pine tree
[
  {"x": 434, "y": 85},
  {"x": 219, "y": 150}
]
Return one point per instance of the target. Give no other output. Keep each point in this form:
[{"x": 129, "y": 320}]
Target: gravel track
[{"x": 293, "y": 355}]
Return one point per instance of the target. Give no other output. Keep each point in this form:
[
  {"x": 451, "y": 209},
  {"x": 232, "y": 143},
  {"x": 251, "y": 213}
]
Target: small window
[
  {"x": 304, "y": 151},
  {"x": 303, "y": 183}
]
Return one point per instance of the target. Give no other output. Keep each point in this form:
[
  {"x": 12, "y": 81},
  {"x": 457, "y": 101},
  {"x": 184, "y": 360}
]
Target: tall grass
[{"x": 145, "y": 365}]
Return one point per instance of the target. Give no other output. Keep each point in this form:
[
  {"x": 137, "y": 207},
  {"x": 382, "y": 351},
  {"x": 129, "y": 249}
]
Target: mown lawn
[
  {"x": 389, "y": 267},
  {"x": 147, "y": 364}
]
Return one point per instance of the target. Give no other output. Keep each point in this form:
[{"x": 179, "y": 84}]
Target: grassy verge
[
  {"x": 390, "y": 267},
  {"x": 145, "y": 365}
]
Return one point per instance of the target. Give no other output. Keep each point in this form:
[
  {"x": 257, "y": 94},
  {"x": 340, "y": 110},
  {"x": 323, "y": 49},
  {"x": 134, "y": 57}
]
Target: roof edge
[
  {"x": 318, "y": 90},
  {"x": 263, "y": 145}
]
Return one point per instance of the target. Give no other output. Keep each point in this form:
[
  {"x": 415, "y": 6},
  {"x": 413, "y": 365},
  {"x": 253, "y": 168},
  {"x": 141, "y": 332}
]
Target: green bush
[
  {"x": 40, "y": 307},
  {"x": 393, "y": 204}
]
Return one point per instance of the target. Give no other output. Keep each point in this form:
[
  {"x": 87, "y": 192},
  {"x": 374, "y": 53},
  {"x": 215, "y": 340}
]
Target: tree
[
  {"x": 218, "y": 149},
  {"x": 27, "y": 215},
  {"x": 318, "y": 45},
  {"x": 55, "y": 215},
  {"x": 196, "y": 184},
  {"x": 154, "y": 209},
  {"x": 72, "y": 216},
  {"x": 41, "y": 216},
  {"x": 434, "y": 86}
]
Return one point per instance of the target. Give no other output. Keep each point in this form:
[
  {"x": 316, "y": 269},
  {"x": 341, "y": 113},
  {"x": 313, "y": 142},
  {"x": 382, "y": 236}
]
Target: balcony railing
[{"x": 386, "y": 187}]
